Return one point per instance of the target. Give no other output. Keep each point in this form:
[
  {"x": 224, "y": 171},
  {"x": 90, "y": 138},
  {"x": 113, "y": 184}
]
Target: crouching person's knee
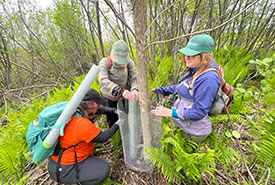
[{"x": 97, "y": 172}]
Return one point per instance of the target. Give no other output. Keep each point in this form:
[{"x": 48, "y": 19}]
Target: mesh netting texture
[{"x": 131, "y": 135}]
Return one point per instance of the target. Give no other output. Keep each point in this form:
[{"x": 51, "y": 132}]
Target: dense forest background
[{"x": 45, "y": 54}]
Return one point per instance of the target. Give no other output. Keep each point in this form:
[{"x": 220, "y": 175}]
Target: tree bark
[
  {"x": 6, "y": 65},
  {"x": 99, "y": 29},
  {"x": 177, "y": 68},
  {"x": 140, "y": 25}
]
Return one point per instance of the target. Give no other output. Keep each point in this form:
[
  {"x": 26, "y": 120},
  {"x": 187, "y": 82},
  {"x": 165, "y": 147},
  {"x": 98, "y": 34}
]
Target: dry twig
[
  {"x": 48, "y": 176},
  {"x": 223, "y": 176},
  {"x": 110, "y": 4},
  {"x": 40, "y": 175},
  {"x": 203, "y": 31},
  {"x": 248, "y": 171},
  {"x": 23, "y": 104},
  {"x": 268, "y": 176}
]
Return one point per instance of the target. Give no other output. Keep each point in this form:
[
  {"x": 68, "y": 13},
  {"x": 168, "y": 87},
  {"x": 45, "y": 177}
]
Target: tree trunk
[
  {"x": 99, "y": 29},
  {"x": 140, "y": 24}
]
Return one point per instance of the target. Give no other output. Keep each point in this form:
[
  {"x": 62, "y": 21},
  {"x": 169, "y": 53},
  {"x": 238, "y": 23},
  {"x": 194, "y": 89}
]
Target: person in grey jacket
[{"x": 117, "y": 78}]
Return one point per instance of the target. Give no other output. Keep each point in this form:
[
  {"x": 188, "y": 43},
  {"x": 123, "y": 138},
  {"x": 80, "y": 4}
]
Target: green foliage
[
  {"x": 116, "y": 144},
  {"x": 24, "y": 180},
  {"x": 223, "y": 152},
  {"x": 13, "y": 142},
  {"x": 265, "y": 147},
  {"x": 235, "y": 64},
  {"x": 108, "y": 181},
  {"x": 261, "y": 100},
  {"x": 266, "y": 153},
  {"x": 13, "y": 146},
  {"x": 262, "y": 66},
  {"x": 265, "y": 68},
  {"x": 163, "y": 72},
  {"x": 164, "y": 162},
  {"x": 245, "y": 101},
  {"x": 178, "y": 156}
]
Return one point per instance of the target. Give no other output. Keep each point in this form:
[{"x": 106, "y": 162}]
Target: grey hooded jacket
[{"x": 117, "y": 75}]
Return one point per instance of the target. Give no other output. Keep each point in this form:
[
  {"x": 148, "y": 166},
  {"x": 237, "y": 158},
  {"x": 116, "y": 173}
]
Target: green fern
[
  {"x": 164, "y": 162},
  {"x": 223, "y": 153},
  {"x": 109, "y": 181},
  {"x": 235, "y": 64},
  {"x": 164, "y": 71},
  {"x": 178, "y": 157},
  {"x": 117, "y": 144},
  {"x": 12, "y": 149},
  {"x": 266, "y": 150},
  {"x": 266, "y": 147},
  {"x": 13, "y": 146}
]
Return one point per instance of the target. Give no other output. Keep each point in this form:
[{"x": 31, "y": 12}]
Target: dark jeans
[
  {"x": 92, "y": 170},
  {"x": 111, "y": 117}
]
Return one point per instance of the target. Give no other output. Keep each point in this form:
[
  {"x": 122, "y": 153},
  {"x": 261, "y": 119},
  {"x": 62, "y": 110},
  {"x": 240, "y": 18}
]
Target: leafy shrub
[
  {"x": 14, "y": 149},
  {"x": 163, "y": 72},
  {"x": 235, "y": 64},
  {"x": 178, "y": 157}
]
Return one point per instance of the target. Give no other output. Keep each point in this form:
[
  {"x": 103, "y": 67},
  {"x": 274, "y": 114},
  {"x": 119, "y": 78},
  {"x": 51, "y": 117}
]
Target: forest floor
[{"x": 120, "y": 173}]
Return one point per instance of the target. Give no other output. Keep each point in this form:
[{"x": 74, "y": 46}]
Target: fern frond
[
  {"x": 226, "y": 155},
  {"x": 266, "y": 150},
  {"x": 165, "y": 163}
]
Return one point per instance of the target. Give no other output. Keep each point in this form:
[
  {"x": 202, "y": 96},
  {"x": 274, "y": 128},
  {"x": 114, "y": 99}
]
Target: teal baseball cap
[
  {"x": 202, "y": 43},
  {"x": 121, "y": 52}
]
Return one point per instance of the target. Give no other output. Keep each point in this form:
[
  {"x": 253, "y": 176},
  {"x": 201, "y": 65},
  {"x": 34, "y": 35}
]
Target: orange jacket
[{"x": 77, "y": 130}]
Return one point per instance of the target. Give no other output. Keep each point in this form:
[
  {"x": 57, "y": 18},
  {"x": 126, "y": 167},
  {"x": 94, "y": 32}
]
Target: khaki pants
[{"x": 196, "y": 139}]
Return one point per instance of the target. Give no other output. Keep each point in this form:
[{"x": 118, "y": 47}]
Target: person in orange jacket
[{"x": 75, "y": 162}]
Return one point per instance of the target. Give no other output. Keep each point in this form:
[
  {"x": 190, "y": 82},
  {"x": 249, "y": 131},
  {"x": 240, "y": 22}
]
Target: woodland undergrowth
[{"x": 240, "y": 150}]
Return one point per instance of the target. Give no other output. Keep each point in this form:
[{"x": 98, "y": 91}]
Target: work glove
[
  {"x": 108, "y": 110},
  {"x": 105, "y": 110}
]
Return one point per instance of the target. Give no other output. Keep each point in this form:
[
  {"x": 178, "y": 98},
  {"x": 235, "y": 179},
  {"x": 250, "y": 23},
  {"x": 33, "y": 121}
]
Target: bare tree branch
[
  {"x": 29, "y": 70},
  {"x": 149, "y": 27},
  {"x": 42, "y": 44},
  {"x": 204, "y": 31},
  {"x": 117, "y": 36},
  {"x": 90, "y": 21},
  {"x": 110, "y": 4},
  {"x": 23, "y": 104}
]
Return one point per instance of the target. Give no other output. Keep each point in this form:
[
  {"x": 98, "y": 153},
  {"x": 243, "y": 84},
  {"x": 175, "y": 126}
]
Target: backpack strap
[
  {"x": 76, "y": 114},
  {"x": 191, "y": 83},
  {"x": 184, "y": 76},
  {"x": 59, "y": 161},
  {"x": 110, "y": 63}
]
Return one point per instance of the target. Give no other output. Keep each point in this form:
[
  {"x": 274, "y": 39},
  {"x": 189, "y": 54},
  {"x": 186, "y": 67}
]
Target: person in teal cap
[
  {"x": 190, "y": 107},
  {"x": 117, "y": 78}
]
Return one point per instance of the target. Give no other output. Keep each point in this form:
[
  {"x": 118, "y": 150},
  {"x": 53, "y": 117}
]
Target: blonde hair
[{"x": 206, "y": 58}]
